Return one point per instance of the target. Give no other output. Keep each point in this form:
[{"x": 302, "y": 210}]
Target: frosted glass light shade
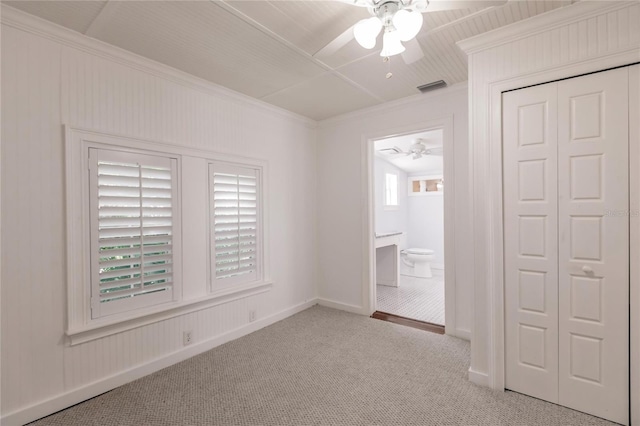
[
  {"x": 366, "y": 32},
  {"x": 391, "y": 44},
  {"x": 407, "y": 23}
]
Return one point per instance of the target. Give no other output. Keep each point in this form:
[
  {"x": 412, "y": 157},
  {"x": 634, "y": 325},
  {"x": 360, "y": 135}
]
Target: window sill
[
  {"x": 391, "y": 207},
  {"x": 105, "y": 327}
]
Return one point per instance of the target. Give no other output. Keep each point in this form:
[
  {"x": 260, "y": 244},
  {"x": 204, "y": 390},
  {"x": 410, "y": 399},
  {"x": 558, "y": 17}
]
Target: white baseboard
[
  {"x": 481, "y": 379},
  {"x": 60, "y": 402},
  {"x": 341, "y": 306},
  {"x": 463, "y": 334}
]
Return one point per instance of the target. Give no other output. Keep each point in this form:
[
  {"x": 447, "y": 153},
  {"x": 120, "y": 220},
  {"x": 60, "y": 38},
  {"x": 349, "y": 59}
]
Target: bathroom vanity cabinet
[{"x": 388, "y": 258}]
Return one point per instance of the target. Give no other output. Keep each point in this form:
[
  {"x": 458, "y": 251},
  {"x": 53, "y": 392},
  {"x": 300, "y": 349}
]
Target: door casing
[{"x": 444, "y": 123}]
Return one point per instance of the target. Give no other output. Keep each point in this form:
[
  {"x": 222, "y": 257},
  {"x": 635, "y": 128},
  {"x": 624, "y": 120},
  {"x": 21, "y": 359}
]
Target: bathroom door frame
[{"x": 445, "y": 124}]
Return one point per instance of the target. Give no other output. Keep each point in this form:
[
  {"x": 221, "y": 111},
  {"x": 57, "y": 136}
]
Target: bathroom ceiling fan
[
  {"x": 399, "y": 21},
  {"x": 419, "y": 148}
]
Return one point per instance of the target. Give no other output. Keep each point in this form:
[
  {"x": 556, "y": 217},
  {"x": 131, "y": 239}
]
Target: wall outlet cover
[{"x": 187, "y": 338}]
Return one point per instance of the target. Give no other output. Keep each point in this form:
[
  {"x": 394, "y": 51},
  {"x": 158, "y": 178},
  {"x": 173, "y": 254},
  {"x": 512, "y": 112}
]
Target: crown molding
[
  {"x": 543, "y": 22},
  {"x": 32, "y": 24},
  {"x": 392, "y": 105}
]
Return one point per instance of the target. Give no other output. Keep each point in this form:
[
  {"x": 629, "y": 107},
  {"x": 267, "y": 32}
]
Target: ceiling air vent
[
  {"x": 432, "y": 86},
  {"x": 389, "y": 151}
]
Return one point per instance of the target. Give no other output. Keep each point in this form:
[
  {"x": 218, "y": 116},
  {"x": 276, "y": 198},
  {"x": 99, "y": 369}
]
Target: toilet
[{"x": 420, "y": 260}]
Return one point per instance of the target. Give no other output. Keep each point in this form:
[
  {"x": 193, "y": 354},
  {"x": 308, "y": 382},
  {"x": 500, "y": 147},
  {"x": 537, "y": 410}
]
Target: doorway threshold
[{"x": 409, "y": 322}]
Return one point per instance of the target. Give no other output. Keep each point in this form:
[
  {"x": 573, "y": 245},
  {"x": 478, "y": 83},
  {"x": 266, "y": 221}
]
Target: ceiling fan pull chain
[{"x": 388, "y": 61}]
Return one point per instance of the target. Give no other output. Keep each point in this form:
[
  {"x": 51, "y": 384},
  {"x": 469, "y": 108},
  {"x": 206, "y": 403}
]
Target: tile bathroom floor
[{"x": 417, "y": 298}]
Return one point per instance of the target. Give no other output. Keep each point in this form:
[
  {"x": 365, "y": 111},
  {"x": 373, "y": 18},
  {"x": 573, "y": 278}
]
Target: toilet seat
[{"x": 419, "y": 251}]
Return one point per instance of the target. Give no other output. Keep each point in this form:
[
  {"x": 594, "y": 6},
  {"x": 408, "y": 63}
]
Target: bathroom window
[
  {"x": 235, "y": 225},
  {"x": 391, "y": 191},
  {"x": 426, "y": 185}
]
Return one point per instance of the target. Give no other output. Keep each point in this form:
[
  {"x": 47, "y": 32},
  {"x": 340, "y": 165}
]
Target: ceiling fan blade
[
  {"x": 336, "y": 44},
  {"x": 438, "y": 5},
  {"x": 413, "y": 51},
  {"x": 431, "y": 144}
]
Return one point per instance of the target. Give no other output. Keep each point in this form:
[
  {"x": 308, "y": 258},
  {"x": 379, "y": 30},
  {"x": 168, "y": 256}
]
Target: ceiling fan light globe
[
  {"x": 366, "y": 31},
  {"x": 391, "y": 44},
  {"x": 407, "y": 23}
]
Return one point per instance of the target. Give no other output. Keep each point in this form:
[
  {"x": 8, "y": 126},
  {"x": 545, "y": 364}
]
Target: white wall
[
  {"x": 390, "y": 220},
  {"x": 426, "y": 225},
  {"x": 49, "y": 80},
  {"x": 341, "y": 171},
  {"x": 582, "y": 38}
]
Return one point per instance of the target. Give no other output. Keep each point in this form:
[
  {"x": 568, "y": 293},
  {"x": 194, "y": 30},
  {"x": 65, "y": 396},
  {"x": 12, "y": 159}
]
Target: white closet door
[
  {"x": 531, "y": 244},
  {"x": 593, "y": 194}
]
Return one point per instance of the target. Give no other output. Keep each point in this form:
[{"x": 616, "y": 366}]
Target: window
[
  {"x": 391, "y": 190},
  {"x": 125, "y": 247},
  {"x": 235, "y": 228},
  {"x": 132, "y": 210}
]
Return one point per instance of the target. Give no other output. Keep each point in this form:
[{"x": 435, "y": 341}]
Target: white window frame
[
  {"x": 79, "y": 267},
  {"x": 385, "y": 200},
  {"x": 80, "y": 327},
  {"x": 412, "y": 179},
  {"x": 217, "y": 285}
]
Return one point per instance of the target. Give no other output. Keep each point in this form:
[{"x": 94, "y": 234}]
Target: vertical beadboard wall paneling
[
  {"x": 32, "y": 302},
  {"x": 59, "y": 77},
  {"x": 582, "y": 38}
]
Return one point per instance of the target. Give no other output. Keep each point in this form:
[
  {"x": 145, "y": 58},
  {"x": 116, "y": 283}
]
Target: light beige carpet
[{"x": 320, "y": 367}]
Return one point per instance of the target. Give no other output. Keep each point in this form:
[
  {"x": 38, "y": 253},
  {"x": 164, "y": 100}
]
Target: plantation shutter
[
  {"x": 234, "y": 218},
  {"x": 133, "y": 205}
]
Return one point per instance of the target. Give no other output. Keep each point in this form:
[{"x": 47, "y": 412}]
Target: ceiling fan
[
  {"x": 418, "y": 148},
  {"x": 400, "y": 21}
]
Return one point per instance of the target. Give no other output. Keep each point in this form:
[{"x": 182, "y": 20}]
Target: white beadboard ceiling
[{"x": 265, "y": 49}]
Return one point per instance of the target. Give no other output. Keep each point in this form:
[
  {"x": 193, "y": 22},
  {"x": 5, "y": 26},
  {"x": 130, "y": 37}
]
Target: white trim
[
  {"x": 57, "y": 403},
  {"x": 368, "y": 214},
  {"x": 543, "y": 22},
  {"x": 48, "y": 30},
  {"x": 163, "y": 312},
  {"x": 463, "y": 334},
  {"x": 341, "y": 306},
  {"x": 80, "y": 328},
  {"x": 479, "y": 378},
  {"x": 171, "y": 148}
]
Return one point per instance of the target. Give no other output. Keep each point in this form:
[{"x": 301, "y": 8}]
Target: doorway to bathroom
[{"x": 408, "y": 188}]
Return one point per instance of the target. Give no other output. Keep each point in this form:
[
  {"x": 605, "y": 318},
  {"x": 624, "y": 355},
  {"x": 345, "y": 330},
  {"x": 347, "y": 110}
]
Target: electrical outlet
[
  {"x": 252, "y": 315},
  {"x": 187, "y": 337}
]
